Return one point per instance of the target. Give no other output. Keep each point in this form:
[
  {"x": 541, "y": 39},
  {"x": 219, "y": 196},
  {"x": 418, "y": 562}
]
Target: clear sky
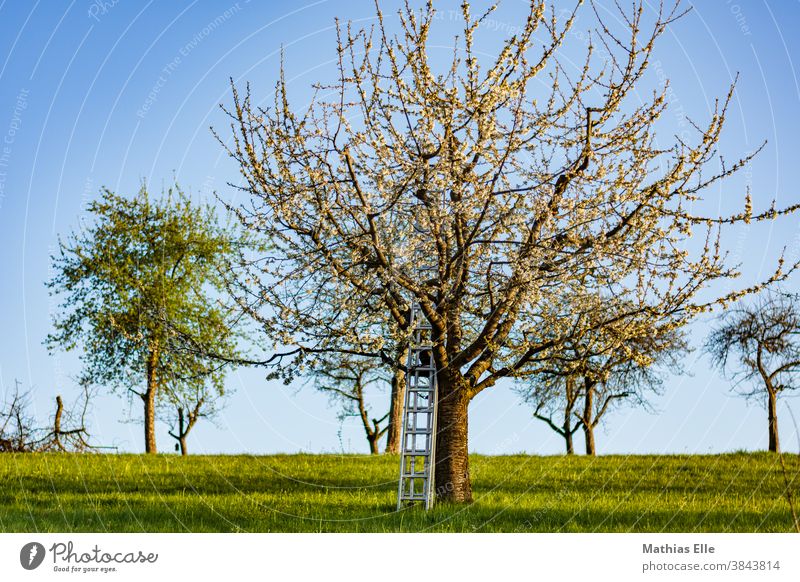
[{"x": 107, "y": 93}]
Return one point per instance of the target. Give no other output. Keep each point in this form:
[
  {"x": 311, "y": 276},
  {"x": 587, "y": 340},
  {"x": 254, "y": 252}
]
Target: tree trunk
[
  {"x": 373, "y": 432},
  {"x": 567, "y": 427},
  {"x": 398, "y": 394},
  {"x": 588, "y": 434},
  {"x": 182, "y": 432},
  {"x": 588, "y": 421},
  {"x": 149, "y": 398},
  {"x": 774, "y": 443},
  {"x": 452, "y": 459},
  {"x": 568, "y": 440},
  {"x": 373, "y": 444},
  {"x": 57, "y": 422}
]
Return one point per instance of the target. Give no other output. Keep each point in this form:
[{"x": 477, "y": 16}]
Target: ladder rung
[{"x": 414, "y": 495}]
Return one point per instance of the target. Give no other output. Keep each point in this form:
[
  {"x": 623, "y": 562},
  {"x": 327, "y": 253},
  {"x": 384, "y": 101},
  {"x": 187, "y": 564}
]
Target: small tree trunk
[
  {"x": 373, "y": 444},
  {"x": 774, "y": 443},
  {"x": 150, "y": 422},
  {"x": 568, "y": 441},
  {"x": 373, "y": 433},
  {"x": 182, "y": 433},
  {"x": 588, "y": 434},
  {"x": 398, "y": 394},
  {"x": 588, "y": 421},
  {"x": 57, "y": 422},
  {"x": 149, "y": 398},
  {"x": 452, "y": 458},
  {"x": 567, "y": 427}
]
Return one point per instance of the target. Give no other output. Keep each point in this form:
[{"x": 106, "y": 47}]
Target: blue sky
[{"x": 97, "y": 93}]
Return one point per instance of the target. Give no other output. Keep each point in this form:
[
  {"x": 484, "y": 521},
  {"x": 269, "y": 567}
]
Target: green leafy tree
[{"x": 141, "y": 287}]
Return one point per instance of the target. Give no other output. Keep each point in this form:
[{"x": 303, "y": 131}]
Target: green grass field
[{"x": 322, "y": 493}]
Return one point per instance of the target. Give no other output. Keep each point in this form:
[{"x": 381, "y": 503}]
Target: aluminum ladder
[{"x": 418, "y": 445}]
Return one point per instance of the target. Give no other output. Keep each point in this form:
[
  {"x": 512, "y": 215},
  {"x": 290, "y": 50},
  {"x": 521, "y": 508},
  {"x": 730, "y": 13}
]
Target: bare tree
[
  {"x": 758, "y": 345},
  {"x": 615, "y": 379},
  {"x": 515, "y": 179},
  {"x": 557, "y": 394},
  {"x": 623, "y": 363},
  {"x": 347, "y": 379},
  {"x": 183, "y": 408},
  {"x": 19, "y": 432},
  {"x": 17, "y": 425},
  {"x": 69, "y": 432}
]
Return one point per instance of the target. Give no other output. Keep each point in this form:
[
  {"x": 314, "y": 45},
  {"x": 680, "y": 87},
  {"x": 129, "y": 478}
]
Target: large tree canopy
[
  {"x": 520, "y": 182},
  {"x": 141, "y": 291}
]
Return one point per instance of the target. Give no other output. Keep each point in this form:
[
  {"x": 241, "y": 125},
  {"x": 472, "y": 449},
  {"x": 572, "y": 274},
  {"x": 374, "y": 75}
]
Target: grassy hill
[{"x": 321, "y": 493}]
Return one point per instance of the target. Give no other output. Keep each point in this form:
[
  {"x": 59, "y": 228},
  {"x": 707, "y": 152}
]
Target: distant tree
[
  {"x": 606, "y": 366},
  {"x": 141, "y": 291},
  {"x": 347, "y": 380},
  {"x": 20, "y": 432},
  {"x": 186, "y": 406},
  {"x": 556, "y": 393},
  {"x": 626, "y": 375},
  {"x": 758, "y": 345},
  {"x": 17, "y": 425},
  {"x": 623, "y": 362},
  {"x": 68, "y": 432}
]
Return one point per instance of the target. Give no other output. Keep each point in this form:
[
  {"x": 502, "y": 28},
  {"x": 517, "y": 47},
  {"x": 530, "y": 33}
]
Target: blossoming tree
[{"x": 517, "y": 180}]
